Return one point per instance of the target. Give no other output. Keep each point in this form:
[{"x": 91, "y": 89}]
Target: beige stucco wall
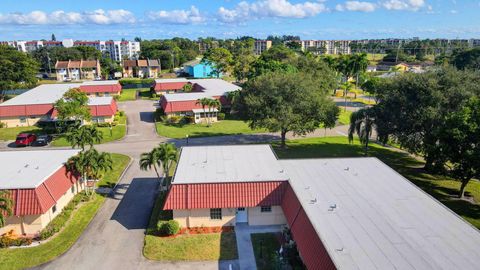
[
  {"x": 29, "y": 121},
  {"x": 256, "y": 217},
  {"x": 201, "y": 217},
  {"x": 33, "y": 224}
]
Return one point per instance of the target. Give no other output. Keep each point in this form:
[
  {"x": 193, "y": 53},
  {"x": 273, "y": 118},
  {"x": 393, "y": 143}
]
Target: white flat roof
[
  {"x": 381, "y": 220},
  {"x": 171, "y": 80},
  {"x": 211, "y": 88},
  {"x": 220, "y": 164},
  {"x": 100, "y": 101},
  {"x": 48, "y": 93},
  {"x": 28, "y": 169}
]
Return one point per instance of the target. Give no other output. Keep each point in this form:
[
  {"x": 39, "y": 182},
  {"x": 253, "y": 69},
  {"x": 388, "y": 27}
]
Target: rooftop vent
[
  {"x": 307, "y": 187},
  {"x": 347, "y": 169},
  {"x": 26, "y": 165},
  {"x": 332, "y": 207},
  {"x": 339, "y": 249},
  {"x": 313, "y": 201},
  {"x": 282, "y": 171}
]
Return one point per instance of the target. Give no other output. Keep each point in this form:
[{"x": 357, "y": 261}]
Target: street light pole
[{"x": 186, "y": 136}]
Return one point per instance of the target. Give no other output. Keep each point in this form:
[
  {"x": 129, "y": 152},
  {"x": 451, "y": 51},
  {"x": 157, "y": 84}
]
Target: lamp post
[
  {"x": 111, "y": 130},
  {"x": 186, "y": 137}
]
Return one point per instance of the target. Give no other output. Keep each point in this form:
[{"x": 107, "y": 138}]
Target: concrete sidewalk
[{"x": 246, "y": 257}]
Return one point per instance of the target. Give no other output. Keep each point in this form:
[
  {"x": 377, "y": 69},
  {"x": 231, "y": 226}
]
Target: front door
[{"x": 241, "y": 216}]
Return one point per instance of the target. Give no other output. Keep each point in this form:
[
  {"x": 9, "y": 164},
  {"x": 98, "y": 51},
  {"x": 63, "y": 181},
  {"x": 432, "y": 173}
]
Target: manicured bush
[
  {"x": 3, "y": 125},
  {"x": 7, "y": 240},
  {"x": 221, "y": 116},
  {"x": 136, "y": 81},
  {"x": 167, "y": 228},
  {"x": 158, "y": 114},
  {"x": 174, "y": 119},
  {"x": 106, "y": 124}
]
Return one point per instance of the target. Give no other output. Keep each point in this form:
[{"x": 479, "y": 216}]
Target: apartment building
[
  {"x": 118, "y": 50},
  {"x": 77, "y": 70},
  {"x": 326, "y": 46},
  {"x": 261, "y": 45}
]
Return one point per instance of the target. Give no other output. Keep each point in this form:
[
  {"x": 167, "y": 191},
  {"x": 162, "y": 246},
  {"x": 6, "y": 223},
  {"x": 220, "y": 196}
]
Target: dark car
[
  {"x": 43, "y": 139},
  {"x": 25, "y": 139}
]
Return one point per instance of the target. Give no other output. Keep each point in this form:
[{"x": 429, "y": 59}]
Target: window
[
  {"x": 266, "y": 209},
  {"x": 216, "y": 213},
  {"x": 23, "y": 119},
  {"x": 72, "y": 189},
  {"x": 54, "y": 208}
]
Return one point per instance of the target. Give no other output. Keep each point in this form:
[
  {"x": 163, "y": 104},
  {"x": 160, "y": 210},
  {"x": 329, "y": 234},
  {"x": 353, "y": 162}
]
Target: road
[{"x": 114, "y": 239}]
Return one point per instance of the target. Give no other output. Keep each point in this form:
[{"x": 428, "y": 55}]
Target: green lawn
[
  {"x": 224, "y": 127},
  {"x": 118, "y": 132},
  {"x": 440, "y": 187},
  {"x": 265, "y": 246},
  {"x": 146, "y": 93},
  {"x": 119, "y": 163},
  {"x": 128, "y": 94},
  {"x": 7, "y": 134},
  {"x": 21, "y": 258},
  {"x": 344, "y": 117},
  {"x": 186, "y": 247}
]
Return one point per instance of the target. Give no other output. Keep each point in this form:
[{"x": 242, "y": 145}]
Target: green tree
[
  {"x": 83, "y": 136},
  {"x": 91, "y": 165},
  {"x": 243, "y": 60},
  {"x": 17, "y": 69},
  {"x": 362, "y": 122},
  {"x": 221, "y": 60},
  {"x": 168, "y": 155},
  {"x": 283, "y": 102},
  {"x": 73, "y": 106},
  {"x": 213, "y": 104},
  {"x": 6, "y": 204},
  {"x": 346, "y": 87},
  {"x": 150, "y": 160},
  {"x": 187, "y": 88},
  {"x": 467, "y": 59},
  {"x": 204, "y": 102},
  {"x": 460, "y": 143}
]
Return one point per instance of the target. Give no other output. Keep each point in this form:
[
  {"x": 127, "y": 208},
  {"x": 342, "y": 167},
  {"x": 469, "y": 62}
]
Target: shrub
[
  {"x": 106, "y": 124},
  {"x": 187, "y": 120},
  {"x": 121, "y": 113},
  {"x": 158, "y": 114},
  {"x": 221, "y": 116},
  {"x": 116, "y": 97},
  {"x": 9, "y": 241},
  {"x": 136, "y": 81},
  {"x": 3, "y": 125},
  {"x": 154, "y": 95},
  {"x": 174, "y": 119},
  {"x": 167, "y": 228}
]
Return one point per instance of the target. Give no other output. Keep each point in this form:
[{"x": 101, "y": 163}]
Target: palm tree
[
  {"x": 215, "y": 104},
  {"x": 91, "y": 165},
  {"x": 346, "y": 87},
  {"x": 168, "y": 155},
  {"x": 5, "y": 206},
  {"x": 362, "y": 122},
  {"x": 187, "y": 87},
  {"x": 84, "y": 135},
  {"x": 204, "y": 103},
  {"x": 149, "y": 160}
]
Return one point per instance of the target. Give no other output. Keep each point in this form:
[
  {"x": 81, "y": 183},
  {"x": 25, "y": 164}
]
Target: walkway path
[{"x": 244, "y": 243}]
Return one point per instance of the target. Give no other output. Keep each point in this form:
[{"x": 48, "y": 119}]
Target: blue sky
[{"x": 310, "y": 19}]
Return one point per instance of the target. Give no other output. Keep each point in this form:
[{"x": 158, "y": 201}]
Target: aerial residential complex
[
  {"x": 343, "y": 213},
  {"x": 37, "y": 104},
  {"x": 40, "y": 186},
  {"x": 118, "y": 50}
]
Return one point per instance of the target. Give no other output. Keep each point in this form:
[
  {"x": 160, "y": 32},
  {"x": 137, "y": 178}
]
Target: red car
[{"x": 25, "y": 139}]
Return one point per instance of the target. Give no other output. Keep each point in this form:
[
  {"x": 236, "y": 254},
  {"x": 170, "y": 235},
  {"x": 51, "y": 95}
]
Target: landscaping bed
[
  {"x": 441, "y": 187},
  {"x": 66, "y": 228},
  {"x": 193, "y": 244}
]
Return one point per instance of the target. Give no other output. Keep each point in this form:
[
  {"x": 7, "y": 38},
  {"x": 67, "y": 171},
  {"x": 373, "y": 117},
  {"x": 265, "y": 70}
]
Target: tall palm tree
[
  {"x": 168, "y": 155},
  {"x": 362, "y": 122},
  {"x": 346, "y": 87},
  {"x": 215, "y": 104},
  {"x": 204, "y": 103},
  {"x": 91, "y": 165},
  {"x": 150, "y": 160},
  {"x": 5, "y": 206},
  {"x": 187, "y": 87},
  {"x": 83, "y": 136}
]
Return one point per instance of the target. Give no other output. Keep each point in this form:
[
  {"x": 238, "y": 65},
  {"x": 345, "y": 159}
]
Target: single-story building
[
  {"x": 185, "y": 104},
  {"x": 169, "y": 86},
  {"x": 197, "y": 69},
  {"x": 343, "y": 213},
  {"x": 39, "y": 185},
  {"x": 37, "y": 104},
  {"x": 147, "y": 68},
  {"x": 77, "y": 70}
]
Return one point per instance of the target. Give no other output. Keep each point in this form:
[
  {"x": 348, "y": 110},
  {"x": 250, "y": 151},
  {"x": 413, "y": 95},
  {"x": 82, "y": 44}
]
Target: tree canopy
[
  {"x": 283, "y": 102},
  {"x": 17, "y": 69},
  {"x": 73, "y": 106}
]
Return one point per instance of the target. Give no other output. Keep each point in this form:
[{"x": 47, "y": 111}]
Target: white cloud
[
  {"x": 403, "y": 4},
  {"x": 356, "y": 6},
  {"x": 59, "y": 17},
  {"x": 192, "y": 16},
  {"x": 270, "y": 8}
]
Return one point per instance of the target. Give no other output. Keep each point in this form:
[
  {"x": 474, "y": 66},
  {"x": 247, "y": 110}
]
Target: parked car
[
  {"x": 25, "y": 139},
  {"x": 43, "y": 140}
]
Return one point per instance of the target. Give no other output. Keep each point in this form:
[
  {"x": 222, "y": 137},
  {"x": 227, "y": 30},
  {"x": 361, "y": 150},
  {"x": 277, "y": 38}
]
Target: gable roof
[{"x": 209, "y": 88}]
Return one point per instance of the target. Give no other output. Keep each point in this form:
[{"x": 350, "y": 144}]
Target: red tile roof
[
  {"x": 113, "y": 88},
  {"x": 225, "y": 195},
  {"x": 25, "y": 110},
  {"x": 184, "y": 106},
  {"x": 42, "y": 198},
  {"x": 104, "y": 110},
  {"x": 168, "y": 86}
]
